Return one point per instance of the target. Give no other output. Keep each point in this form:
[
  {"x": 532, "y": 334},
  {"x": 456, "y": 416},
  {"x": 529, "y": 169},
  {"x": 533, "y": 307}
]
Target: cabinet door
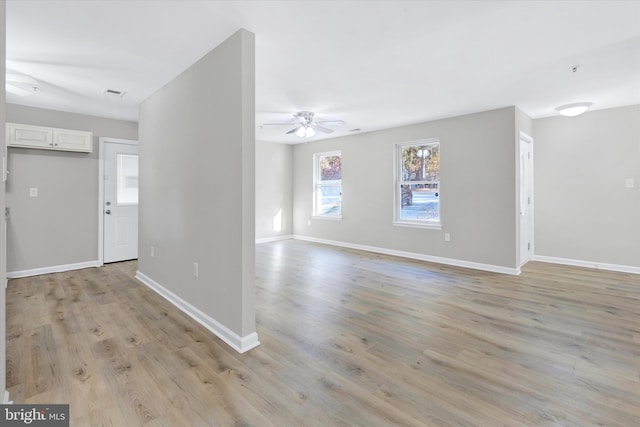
[
  {"x": 29, "y": 136},
  {"x": 72, "y": 140}
]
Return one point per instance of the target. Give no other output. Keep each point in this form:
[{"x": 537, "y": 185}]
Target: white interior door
[
  {"x": 120, "y": 210},
  {"x": 526, "y": 199}
]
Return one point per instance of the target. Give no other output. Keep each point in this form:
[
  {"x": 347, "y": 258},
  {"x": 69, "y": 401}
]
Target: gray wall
[
  {"x": 582, "y": 209},
  {"x": 60, "y": 226},
  {"x": 197, "y": 184},
  {"x": 478, "y": 202},
  {"x": 274, "y": 186}
]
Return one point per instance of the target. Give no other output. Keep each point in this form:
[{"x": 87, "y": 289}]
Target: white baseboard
[
  {"x": 588, "y": 264},
  {"x": 274, "y": 239},
  {"x": 238, "y": 343},
  {"x": 52, "y": 269},
  {"x": 5, "y": 400},
  {"x": 413, "y": 255}
]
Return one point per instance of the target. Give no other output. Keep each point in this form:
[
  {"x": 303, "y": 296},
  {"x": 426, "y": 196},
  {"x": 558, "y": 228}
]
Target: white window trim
[
  {"x": 430, "y": 225},
  {"x": 327, "y": 217},
  {"x": 316, "y": 183},
  {"x": 397, "y": 182}
]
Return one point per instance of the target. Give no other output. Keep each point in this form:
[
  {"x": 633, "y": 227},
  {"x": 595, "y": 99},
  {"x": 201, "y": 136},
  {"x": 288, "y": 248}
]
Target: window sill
[
  {"x": 330, "y": 218},
  {"x": 415, "y": 224}
]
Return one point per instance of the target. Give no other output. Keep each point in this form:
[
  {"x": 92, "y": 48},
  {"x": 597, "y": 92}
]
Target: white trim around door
[{"x": 525, "y": 197}]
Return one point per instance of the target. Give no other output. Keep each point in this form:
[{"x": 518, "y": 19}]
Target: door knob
[{"x": 108, "y": 211}]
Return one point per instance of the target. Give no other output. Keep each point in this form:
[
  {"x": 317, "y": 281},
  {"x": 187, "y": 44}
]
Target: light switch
[
  {"x": 628, "y": 183},
  {"x": 33, "y": 192}
]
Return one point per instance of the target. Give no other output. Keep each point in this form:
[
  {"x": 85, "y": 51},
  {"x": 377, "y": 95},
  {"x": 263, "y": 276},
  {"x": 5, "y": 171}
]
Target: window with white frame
[
  {"x": 327, "y": 193},
  {"x": 417, "y": 194}
]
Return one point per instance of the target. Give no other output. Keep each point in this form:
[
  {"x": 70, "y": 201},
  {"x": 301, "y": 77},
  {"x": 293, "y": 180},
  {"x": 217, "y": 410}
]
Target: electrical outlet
[
  {"x": 195, "y": 269},
  {"x": 33, "y": 192},
  {"x": 153, "y": 251},
  {"x": 447, "y": 237}
]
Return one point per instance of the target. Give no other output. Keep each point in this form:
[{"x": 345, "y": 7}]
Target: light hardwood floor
[{"x": 348, "y": 338}]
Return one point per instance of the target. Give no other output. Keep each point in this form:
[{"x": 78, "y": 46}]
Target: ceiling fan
[
  {"x": 20, "y": 84},
  {"x": 306, "y": 127}
]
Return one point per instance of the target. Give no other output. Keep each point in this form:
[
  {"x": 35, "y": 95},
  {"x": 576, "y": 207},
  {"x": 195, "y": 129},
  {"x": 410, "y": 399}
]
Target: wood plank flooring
[{"x": 348, "y": 338}]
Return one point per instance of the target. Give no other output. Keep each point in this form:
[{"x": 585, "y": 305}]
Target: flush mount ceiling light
[{"x": 575, "y": 109}]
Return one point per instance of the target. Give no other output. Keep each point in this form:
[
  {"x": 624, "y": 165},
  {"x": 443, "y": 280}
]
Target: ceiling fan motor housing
[{"x": 305, "y": 117}]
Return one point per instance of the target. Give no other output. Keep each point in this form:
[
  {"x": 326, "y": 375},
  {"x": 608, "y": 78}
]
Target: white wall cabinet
[
  {"x": 72, "y": 140},
  {"x": 45, "y": 138}
]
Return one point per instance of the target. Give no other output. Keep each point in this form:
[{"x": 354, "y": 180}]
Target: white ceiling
[{"x": 373, "y": 64}]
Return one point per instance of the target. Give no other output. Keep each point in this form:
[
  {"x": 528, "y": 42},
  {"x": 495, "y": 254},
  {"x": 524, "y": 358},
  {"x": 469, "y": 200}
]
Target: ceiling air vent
[{"x": 113, "y": 93}]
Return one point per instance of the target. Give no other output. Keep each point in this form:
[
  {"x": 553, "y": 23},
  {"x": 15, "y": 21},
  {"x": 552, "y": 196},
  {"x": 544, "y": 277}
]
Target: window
[
  {"x": 417, "y": 200},
  {"x": 127, "y": 179},
  {"x": 327, "y": 193}
]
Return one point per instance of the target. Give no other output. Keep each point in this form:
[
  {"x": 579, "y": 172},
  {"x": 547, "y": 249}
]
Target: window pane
[
  {"x": 327, "y": 181},
  {"x": 330, "y": 168},
  {"x": 329, "y": 201},
  {"x": 420, "y": 202},
  {"x": 127, "y": 179},
  {"x": 420, "y": 163}
]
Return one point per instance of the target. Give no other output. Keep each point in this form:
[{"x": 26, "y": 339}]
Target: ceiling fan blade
[
  {"x": 331, "y": 122},
  {"x": 321, "y": 129},
  {"x": 279, "y": 124},
  {"x": 21, "y": 78},
  {"x": 294, "y": 130},
  {"x": 17, "y": 90}
]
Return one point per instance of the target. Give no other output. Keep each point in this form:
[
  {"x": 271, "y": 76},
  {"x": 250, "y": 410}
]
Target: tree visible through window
[
  {"x": 418, "y": 183},
  {"x": 328, "y": 184}
]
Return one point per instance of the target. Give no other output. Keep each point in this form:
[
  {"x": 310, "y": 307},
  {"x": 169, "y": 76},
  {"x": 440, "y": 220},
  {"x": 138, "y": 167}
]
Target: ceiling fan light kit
[{"x": 305, "y": 132}]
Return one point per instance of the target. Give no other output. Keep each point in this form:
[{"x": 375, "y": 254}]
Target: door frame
[
  {"x": 101, "y": 142},
  {"x": 523, "y": 137}
]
